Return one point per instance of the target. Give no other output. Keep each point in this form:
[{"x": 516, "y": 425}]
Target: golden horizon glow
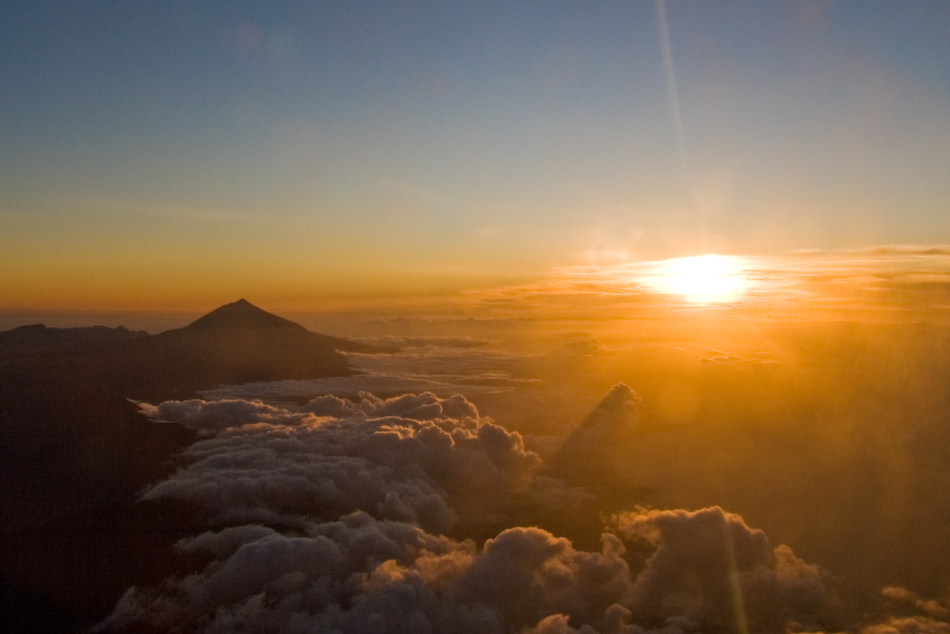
[{"x": 701, "y": 279}]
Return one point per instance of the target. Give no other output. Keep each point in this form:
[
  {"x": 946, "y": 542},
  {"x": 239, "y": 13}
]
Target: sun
[{"x": 701, "y": 279}]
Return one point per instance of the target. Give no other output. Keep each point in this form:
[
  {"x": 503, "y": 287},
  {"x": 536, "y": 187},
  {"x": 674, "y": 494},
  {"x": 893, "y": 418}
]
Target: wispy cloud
[{"x": 905, "y": 278}]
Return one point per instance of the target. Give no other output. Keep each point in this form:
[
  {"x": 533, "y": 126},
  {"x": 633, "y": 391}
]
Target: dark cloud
[
  {"x": 360, "y": 574},
  {"x": 618, "y": 408},
  {"x": 711, "y": 568},
  {"x": 355, "y": 574},
  {"x": 590, "y": 451}
]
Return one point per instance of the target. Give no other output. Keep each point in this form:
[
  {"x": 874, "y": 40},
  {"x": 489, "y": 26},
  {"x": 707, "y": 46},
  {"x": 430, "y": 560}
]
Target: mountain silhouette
[
  {"x": 244, "y": 319},
  {"x": 38, "y": 335},
  {"x": 236, "y": 343},
  {"x": 239, "y": 315},
  {"x": 75, "y": 453}
]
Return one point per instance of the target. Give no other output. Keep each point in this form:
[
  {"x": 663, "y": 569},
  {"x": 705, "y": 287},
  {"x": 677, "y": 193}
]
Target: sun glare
[{"x": 701, "y": 279}]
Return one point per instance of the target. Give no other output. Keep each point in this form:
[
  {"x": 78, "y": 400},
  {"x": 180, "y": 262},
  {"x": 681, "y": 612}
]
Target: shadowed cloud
[{"x": 354, "y": 516}]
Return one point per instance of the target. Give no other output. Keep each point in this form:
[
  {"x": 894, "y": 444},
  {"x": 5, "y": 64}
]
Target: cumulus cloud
[
  {"x": 904, "y": 598},
  {"x": 425, "y": 406},
  {"x": 211, "y": 415},
  {"x": 355, "y": 574},
  {"x": 414, "y": 458},
  {"x": 711, "y": 568},
  {"x": 368, "y": 515},
  {"x": 359, "y": 574},
  {"x": 617, "y": 408},
  {"x": 908, "y": 625},
  {"x": 590, "y": 450}
]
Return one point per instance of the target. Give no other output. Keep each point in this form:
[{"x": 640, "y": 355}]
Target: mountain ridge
[
  {"x": 233, "y": 344},
  {"x": 40, "y": 334}
]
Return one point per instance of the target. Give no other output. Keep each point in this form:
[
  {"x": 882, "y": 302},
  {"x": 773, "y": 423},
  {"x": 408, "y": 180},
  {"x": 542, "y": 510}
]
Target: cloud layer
[
  {"x": 441, "y": 365},
  {"x": 365, "y": 515},
  {"x": 912, "y": 278}
]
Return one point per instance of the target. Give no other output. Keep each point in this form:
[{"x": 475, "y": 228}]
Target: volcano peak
[{"x": 241, "y": 314}]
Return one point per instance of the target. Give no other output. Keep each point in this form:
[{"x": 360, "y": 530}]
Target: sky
[
  {"x": 669, "y": 283},
  {"x": 174, "y": 155}
]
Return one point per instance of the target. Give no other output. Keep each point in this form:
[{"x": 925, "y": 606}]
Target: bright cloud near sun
[{"x": 700, "y": 279}]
